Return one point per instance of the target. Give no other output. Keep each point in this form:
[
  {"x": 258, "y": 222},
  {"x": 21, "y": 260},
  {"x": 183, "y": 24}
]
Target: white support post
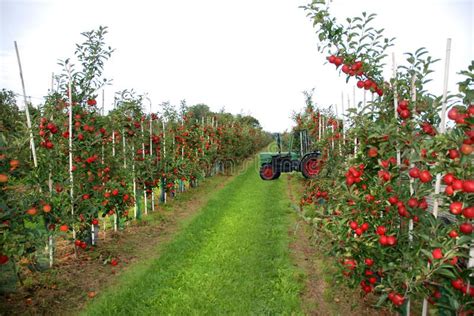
[
  {"x": 71, "y": 176},
  {"x": 134, "y": 182},
  {"x": 320, "y": 125},
  {"x": 115, "y": 222},
  {"x": 124, "y": 150},
  {"x": 27, "y": 111},
  {"x": 164, "y": 157},
  {"x": 143, "y": 156},
  {"x": 113, "y": 143},
  {"x": 395, "y": 102},
  {"x": 442, "y": 130},
  {"x": 93, "y": 234}
]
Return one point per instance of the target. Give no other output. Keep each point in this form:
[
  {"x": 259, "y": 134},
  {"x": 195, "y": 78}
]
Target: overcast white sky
[{"x": 249, "y": 56}]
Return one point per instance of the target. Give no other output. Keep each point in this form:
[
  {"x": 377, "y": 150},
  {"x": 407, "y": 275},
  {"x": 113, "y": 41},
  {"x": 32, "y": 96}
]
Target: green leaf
[
  {"x": 446, "y": 272},
  {"x": 381, "y": 299}
]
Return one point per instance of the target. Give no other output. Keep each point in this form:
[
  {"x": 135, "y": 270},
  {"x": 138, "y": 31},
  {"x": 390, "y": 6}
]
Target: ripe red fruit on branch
[
  {"x": 114, "y": 262},
  {"x": 331, "y": 59},
  {"x": 457, "y": 284},
  {"x": 345, "y": 69},
  {"x": 393, "y": 200},
  {"x": 86, "y": 196},
  {"x": 449, "y": 190},
  {"x": 91, "y": 102},
  {"x": 453, "y": 234},
  {"x": 428, "y": 129},
  {"x": 456, "y": 208},
  {"x": 3, "y": 178},
  {"x": 384, "y": 175},
  {"x": 425, "y": 176},
  {"x": 364, "y": 227},
  {"x": 360, "y": 84},
  {"x": 404, "y": 114},
  {"x": 397, "y": 299},
  {"x": 353, "y": 225},
  {"x": 367, "y": 84},
  {"x": 457, "y": 185},
  {"x": 413, "y": 203},
  {"x": 466, "y": 228},
  {"x": 468, "y": 186},
  {"x": 63, "y": 228},
  {"x": 468, "y": 212},
  {"x": 453, "y": 114},
  {"x": 350, "y": 264},
  {"x": 381, "y": 230},
  {"x": 372, "y": 152},
  {"x": 470, "y": 110},
  {"x": 448, "y": 178},
  {"x": 3, "y": 259},
  {"x": 437, "y": 253},
  {"x": 391, "y": 240},
  {"x": 357, "y": 65},
  {"x": 414, "y": 172},
  {"x": 32, "y": 211},
  {"x": 95, "y": 221},
  {"x": 369, "y": 262},
  {"x": 423, "y": 204},
  {"x": 453, "y": 153},
  {"x": 403, "y": 105},
  {"x": 115, "y": 192},
  {"x": 466, "y": 149}
]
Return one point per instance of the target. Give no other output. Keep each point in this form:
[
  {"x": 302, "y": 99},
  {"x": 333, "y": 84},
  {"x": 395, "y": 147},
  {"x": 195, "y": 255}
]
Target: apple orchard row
[{"x": 394, "y": 199}]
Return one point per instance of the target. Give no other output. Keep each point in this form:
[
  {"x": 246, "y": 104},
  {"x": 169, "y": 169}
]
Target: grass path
[{"x": 232, "y": 258}]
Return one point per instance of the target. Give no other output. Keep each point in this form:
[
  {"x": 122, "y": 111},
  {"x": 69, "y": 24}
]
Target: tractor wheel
[
  {"x": 310, "y": 166},
  {"x": 267, "y": 172}
]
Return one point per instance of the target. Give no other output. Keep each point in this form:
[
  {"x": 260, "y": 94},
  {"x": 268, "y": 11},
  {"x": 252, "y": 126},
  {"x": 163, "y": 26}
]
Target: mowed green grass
[{"x": 232, "y": 258}]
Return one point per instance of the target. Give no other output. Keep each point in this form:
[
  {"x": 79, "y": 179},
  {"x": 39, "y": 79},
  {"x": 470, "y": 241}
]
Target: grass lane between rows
[{"x": 232, "y": 258}]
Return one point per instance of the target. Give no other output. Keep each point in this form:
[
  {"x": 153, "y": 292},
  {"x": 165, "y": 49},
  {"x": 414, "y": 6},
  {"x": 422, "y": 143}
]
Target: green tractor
[{"x": 301, "y": 159}]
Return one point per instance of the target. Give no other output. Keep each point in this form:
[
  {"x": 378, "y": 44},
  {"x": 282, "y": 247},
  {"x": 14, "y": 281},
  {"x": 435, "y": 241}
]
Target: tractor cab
[{"x": 298, "y": 157}]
